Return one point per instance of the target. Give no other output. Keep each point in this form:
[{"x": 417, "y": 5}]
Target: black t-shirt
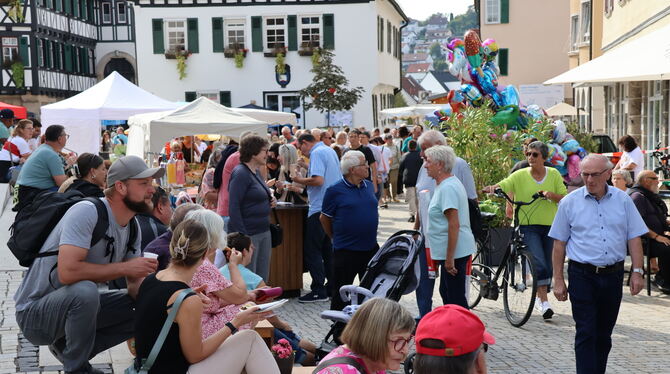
[
  {"x": 187, "y": 151},
  {"x": 369, "y": 156},
  {"x": 150, "y": 315}
]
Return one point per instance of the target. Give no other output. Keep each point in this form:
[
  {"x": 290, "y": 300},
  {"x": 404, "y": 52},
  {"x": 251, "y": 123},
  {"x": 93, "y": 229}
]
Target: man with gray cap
[{"x": 64, "y": 301}]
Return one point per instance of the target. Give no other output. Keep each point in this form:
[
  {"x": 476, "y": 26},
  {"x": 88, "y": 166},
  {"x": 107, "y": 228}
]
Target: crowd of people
[{"x": 219, "y": 249}]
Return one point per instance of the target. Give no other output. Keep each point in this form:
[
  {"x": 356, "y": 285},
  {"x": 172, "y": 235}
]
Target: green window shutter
[
  {"x": 224, "y": 98},
  {"x": 157, "y": 30},
  {"x": 40, "y": 53},
  {"x": 67, "y": 6},
  {"x": 83, "y": 57},
  {"x": 192, "y": 31},
  {"x": 292, "y": 33},
  {"x": 217, "y": 34},
  {"x": 504, "y": 11},
  {"x": 47, "y": 56},
  {"x": 68, "y": 58},
  {"x": 189, "y": 96},
  {"x": 257, "y": 34},
  {"x": 59, "y": 5},
  {"x": 75, "y": 8},
  {"x": 503, "y": 62},
  {"x": 23, "y": 51},
  {"x": 83, "y": 6},
  {"x": 329, "y": 31},
  {"x": 57, "y": 52}
]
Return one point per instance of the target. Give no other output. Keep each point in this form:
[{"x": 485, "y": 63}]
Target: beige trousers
[
  {"x": 243, "y": 352},
  {"x": 410, "y": 197},
  {"x": 392, "y": 192}
]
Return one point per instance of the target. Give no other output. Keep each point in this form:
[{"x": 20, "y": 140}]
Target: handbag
[
  {"x": 276, "y": 231},
  {"x": 143, "y": 366}
]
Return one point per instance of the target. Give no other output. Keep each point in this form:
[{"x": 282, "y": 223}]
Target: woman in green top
[{"x": 535, "y": 220}]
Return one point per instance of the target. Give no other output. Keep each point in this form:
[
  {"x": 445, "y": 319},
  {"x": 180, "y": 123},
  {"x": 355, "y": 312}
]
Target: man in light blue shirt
[
  {"x": 324, "y": 171},
  {"x": 597, "y": 224}
]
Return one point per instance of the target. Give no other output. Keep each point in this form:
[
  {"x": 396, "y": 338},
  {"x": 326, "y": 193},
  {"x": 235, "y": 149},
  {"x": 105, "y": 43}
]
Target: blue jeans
[
  {"x": 226, "y": 219},
  {"x": 595, "y": 300},
  {"x": 452, "y": 287},
  {"x": 541, "y": 247},
  {"x": 317, "y": 254},
  {"x": 424, "y": 292}
]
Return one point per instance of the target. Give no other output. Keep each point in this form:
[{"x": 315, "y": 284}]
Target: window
[
  {"x": 586, "y": 22},
  {"x": 492, "y": 11},
  {"x": 40, "y": 53},
  {"x": 10, "y": 49},
  {"x": 121, "y": 16},
  {"x": 213, "y": 95},
  {"x": 234, "y": 34},
  {"x": 175, "y": 32},
  {"x": 310, "y": 30},
  {"x": 381, "y": 35},
  {"x": 275, "y": 33},
  {"x": 574, "y": 32},
  {"x": 91, "y": 61},
  {"x": 106, "y": 12},
  {"x": 389, "y": 30}
]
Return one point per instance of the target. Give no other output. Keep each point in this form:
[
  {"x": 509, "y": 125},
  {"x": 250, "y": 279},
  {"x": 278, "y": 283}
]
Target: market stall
[
  {"x": 114, "y": 98},
  {"x": 20, "y": 112},
  {"x": 150, "y": 131}
]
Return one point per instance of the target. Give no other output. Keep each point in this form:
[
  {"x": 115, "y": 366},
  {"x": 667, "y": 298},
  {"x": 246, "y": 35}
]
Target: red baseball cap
[{"x": 460, "y": 330}]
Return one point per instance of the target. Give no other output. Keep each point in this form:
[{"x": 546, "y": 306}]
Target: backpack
[{"x": 34, "y": 223}]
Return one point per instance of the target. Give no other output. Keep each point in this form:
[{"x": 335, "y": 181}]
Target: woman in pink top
[
  {"x": 377, "y": 339},
  {"x": 225, "y": 297},
  {"x": 222, "y": 206}
]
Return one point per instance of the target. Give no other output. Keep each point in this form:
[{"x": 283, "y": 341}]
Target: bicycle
[{"x": 515, "y": 275}]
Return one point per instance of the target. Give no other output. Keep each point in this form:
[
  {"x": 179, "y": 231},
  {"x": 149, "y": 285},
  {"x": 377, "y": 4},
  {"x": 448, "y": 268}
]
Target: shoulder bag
[
  {"x": 144, "y": 365},
  {"x": 276, "y": 231},
  {"x": 340, "y": 361}
]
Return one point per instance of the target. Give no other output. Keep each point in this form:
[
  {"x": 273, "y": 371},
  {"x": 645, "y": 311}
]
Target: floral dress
[
  {"x": 217, "y": 314},
  {"x": 343, "y": 351}
]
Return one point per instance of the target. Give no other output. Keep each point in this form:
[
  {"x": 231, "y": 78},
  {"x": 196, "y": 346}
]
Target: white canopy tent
[
  {"x": 643, "y": 59},
  {"x": 411, "y": 111},
  {"x": 270, "y": 117},
  {"x": 114, "y": 98},
  {"x": 150, "y": 131},
  {"x": 563, "y": 109}
]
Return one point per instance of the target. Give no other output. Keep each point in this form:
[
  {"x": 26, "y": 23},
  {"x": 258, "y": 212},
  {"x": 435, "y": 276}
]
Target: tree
[
  {"x": 328, "y": 90},
  {"x": 440, "y": 65},
  {"x": 399, "y": 101},
  {"x": 463, "y": 22},
  {"x": 436, "y": 51}
]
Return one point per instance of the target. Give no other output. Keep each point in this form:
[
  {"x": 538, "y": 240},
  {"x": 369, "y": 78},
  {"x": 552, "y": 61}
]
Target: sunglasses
[{"x": 532, "y": 154}]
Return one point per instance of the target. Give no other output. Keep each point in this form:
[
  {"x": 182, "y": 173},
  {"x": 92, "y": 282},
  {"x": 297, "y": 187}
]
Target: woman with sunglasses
[
  {"x": 377, "y": 338},
  {"x": 90, "y": 176},
  {"x": 536, "y": 219}
]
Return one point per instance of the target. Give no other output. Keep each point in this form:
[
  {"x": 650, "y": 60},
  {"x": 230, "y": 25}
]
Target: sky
[{"x": 421, "y": 9}]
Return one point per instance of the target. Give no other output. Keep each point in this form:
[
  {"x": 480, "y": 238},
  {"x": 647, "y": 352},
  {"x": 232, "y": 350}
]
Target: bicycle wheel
[
  {"x": 476, "y": 275},
  {"x": 519, "y": 288}
]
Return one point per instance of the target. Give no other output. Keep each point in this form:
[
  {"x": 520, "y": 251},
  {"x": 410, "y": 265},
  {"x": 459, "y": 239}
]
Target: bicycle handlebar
[{"x": 500, "y": 193}]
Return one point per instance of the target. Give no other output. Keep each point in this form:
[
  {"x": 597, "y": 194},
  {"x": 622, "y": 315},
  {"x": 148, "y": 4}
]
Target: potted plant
[
  {"x": 18, "y": 73},
  {"x": 234, "y": 49},
  {"x": 278, "y": 49},
  {"x": 15, "y": 11},
  {"x": 173, "y": 54},
  {"x": 284, "y": 355},
  {"x": 308, "y": 48}
]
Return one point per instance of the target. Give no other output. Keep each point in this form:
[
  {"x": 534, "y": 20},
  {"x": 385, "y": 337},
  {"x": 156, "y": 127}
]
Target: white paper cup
[{"x": 150, "y": 255}]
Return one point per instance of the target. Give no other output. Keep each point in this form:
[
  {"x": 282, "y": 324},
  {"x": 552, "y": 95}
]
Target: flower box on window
[
  {"x": 172, "y": 54},
  {"x": 276, "y": 51},
  {"x": 308, "y": 48},
  {"x": 234, "y": 49}
]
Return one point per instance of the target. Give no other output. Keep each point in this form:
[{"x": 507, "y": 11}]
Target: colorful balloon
[
  {"x": 560, "y": 130},
  {"x": 458, "y": 64},
  {"x": 472, "y": 94},
  {"x": 490, "y": 50},
  {"x": 510, "y": 96},
  {"x": 473, "y": 49}
]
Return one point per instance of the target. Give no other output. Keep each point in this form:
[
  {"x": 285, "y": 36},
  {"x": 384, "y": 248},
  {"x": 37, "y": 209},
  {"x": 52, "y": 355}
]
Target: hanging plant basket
[
  {"x": 18, "y": 73},
  {"x": 275, "y": 52},
  {"x": 234, "y": 49},
  {"x": 172, "y": 54},
  {"x": 308, "y": 48}
]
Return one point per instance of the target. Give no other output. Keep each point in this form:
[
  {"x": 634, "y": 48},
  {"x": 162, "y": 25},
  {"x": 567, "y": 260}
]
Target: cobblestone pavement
[{"x": 640, "y": 338}]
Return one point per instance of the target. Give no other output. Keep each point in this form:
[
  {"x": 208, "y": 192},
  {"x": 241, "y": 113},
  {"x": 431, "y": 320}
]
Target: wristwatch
[
  {"x": 232, "y": 328},
  {"x": 639, "y": 270}
]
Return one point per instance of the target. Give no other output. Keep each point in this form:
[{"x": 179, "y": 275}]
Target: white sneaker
[
  {"x": 538, "y": 305},
  {"x": 547, "y": 312}
]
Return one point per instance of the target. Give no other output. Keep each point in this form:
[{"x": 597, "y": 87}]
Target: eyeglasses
[
  {"x": 400, "y": 343},
  {"x": 592, "y": 175},
  {"x": 533, "y": 154},
  {"x": 67, "y": 136}
]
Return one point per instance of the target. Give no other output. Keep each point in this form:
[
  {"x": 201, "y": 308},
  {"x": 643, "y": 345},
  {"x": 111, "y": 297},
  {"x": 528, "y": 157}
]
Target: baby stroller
[{"x": 392, "y": 272}]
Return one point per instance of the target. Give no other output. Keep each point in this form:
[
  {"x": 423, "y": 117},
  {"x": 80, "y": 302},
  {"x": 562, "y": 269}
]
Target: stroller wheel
[{"x": 409, "y": 363}]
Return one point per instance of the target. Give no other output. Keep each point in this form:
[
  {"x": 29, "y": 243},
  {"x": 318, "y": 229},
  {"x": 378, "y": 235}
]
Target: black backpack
[{"x": 34, "y": 223}]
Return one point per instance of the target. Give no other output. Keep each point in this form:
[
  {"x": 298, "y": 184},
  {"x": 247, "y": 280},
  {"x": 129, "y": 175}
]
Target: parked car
[{"x": 607, "y": 146}]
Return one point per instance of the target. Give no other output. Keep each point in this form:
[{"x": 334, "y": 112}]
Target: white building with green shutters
[{"x": 231, "y": 47}]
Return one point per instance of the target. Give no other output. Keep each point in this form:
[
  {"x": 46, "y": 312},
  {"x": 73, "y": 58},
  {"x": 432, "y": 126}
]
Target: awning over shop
[
  {"x": 643, "y": 59},
  {"x": 563, "y": 109}
]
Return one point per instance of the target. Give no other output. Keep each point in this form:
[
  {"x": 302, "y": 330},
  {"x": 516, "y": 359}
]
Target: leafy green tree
[
  {"x": 463, "y": 22},
  {"x": 399, "y": 101},
  {"x": 436, "y": 51},
  {"x": 328, "y": 90},
  {"x": 440, "y": 65}
]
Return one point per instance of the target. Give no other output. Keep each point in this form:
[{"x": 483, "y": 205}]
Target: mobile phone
[{"x": 268, "y": 293}]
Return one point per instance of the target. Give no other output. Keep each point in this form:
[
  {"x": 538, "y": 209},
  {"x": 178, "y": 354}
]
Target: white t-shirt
[
  {"x": 33, "y": 143},
  {"x": 21, "y": 144},
  {"x": 635, "y": 156}
]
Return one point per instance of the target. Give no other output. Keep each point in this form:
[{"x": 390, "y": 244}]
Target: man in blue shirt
[
  {"x": 324, "y": 171},
  {"x": 350, "y": 218},
  {"x": 596, "y": 225}
]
